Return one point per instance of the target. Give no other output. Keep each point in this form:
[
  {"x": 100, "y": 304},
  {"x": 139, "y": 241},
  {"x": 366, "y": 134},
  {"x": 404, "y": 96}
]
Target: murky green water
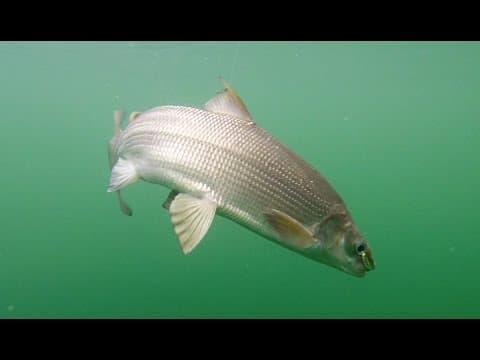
[{"x": 395, "y": 127}]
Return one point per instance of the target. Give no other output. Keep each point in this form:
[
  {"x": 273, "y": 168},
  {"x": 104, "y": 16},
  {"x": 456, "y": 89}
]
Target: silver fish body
[{"x": 247, "y": 175}]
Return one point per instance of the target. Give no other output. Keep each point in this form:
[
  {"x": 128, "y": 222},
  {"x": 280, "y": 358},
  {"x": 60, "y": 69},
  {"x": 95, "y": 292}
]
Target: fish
[{"x": 217, "y": 160}]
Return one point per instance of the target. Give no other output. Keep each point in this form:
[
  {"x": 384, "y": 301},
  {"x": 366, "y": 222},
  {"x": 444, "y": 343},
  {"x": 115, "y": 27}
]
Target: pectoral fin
[
  {"x": 191, "y": 218},
  {"x": 228, "y": 102},
  {"x": 291, "y": 232}
]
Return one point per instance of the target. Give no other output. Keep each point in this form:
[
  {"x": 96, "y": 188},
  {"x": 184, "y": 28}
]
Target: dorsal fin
[{"x": 228, "y": 102}]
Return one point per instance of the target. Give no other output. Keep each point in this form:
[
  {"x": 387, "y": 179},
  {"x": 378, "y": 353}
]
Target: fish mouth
[
  {"x": 367, "y": 260},
  {"x": 362, "y": 265}
]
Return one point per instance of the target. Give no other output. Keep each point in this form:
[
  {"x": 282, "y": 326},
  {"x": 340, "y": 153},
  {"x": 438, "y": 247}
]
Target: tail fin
[
  {"x": 112, "y": 146},
  {"x": 113, "y": 156},
  {"x": 123, "y": 205}
]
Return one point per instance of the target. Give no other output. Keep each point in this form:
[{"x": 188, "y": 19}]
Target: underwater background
[{"x": 394, "y": 127}]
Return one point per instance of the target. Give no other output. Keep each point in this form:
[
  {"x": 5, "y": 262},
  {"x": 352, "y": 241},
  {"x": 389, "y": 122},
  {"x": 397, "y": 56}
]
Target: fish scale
[
  {"x": 241, "y": 165},
  {"x": 217, "y": 160}
]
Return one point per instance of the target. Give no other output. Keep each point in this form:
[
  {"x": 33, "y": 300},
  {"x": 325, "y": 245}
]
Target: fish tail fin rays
[
  {"x": 191, "y": 218},
  {"x": 127, "y": 210},
  {"x": 123, "y": 174},
  {"x": 112, "y": 145},
  {"x": 229, "y": 102},
  {"x": 113, "y": 157},
  {"x": 117, "y": 120}
]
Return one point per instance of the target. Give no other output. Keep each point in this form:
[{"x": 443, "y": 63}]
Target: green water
[{"x": 395, "y": 127}]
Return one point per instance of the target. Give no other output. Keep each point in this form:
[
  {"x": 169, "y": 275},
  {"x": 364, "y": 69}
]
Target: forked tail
[{"x": 113, "y": 156}]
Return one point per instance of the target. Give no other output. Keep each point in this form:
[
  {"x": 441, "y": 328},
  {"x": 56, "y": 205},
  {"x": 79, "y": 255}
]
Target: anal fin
[{"x": 123, "y": 174}]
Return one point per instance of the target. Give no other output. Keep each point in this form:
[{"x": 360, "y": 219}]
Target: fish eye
[{"x": 360, "y": 248}]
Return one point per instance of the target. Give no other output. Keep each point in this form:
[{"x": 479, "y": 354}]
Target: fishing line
[{"x": 234, "y": 63}]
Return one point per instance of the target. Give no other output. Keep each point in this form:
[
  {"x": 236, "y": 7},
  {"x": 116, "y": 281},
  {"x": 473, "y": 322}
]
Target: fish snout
[{"x": 367, "y": 260}]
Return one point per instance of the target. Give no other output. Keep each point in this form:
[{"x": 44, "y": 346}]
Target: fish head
[{"x": 341, "y": 245}]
